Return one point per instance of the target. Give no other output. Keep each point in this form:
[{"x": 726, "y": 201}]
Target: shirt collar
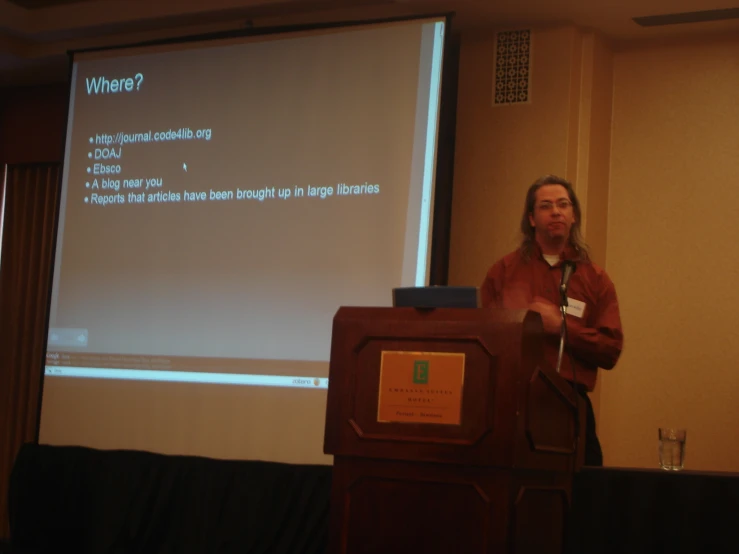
[{"x": 569, "y": 253}]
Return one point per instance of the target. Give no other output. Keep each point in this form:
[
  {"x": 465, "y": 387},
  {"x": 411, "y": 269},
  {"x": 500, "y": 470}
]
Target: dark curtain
[
  {"x": 28, "y": 230},
  {"x": 80, "y": 500}
]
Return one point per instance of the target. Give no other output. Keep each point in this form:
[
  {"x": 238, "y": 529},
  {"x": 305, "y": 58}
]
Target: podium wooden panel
[{"x": 499, "y": 480}]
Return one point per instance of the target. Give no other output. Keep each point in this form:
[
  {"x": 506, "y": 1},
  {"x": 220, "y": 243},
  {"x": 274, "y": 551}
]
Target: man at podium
[{"x": 550, "y": 270}]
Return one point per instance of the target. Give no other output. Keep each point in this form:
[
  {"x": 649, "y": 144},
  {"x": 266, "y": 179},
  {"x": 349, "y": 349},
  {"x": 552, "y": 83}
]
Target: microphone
[{"x": 568, "y": 268}]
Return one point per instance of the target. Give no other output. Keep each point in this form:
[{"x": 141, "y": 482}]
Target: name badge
[{"x": 575, "y": 307}]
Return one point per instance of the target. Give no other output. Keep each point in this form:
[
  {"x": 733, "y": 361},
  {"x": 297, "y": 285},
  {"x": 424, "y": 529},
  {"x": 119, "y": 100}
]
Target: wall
[
  {"x": 32, "y": 123},
  {"x": 672, "y": 252},
  {"x": 564, "y": 129},
  {"x": 501, "y": 150},
  {"x": 649, "y": 135}
]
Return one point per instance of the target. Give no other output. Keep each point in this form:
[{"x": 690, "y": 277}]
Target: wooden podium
[{"x": 449, "y": 435}]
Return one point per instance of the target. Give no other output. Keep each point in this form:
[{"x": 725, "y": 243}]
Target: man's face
[{"x": 553, "y": 214}]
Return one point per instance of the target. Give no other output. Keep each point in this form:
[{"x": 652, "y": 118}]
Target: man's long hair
[{"x": 575, "y": 240}]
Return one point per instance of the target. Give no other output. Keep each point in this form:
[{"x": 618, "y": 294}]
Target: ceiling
[
  {"x": 36, "y": 34},
  {"x": 35, "y": 4}
]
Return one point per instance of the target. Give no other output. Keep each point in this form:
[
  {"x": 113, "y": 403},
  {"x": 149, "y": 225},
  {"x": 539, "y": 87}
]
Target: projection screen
[{"x": 221, "y": 199}]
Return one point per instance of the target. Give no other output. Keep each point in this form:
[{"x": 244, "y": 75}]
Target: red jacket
[{"x": 595, "y": 338}]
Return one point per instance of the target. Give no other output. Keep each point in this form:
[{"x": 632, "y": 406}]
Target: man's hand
[{"x": 550, "y": 314}]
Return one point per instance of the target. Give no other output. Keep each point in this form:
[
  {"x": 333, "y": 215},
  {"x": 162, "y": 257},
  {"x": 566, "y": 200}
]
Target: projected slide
[{"x": 222, "y": 200}]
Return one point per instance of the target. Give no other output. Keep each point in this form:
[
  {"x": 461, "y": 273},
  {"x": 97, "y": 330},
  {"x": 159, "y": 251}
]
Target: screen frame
[{"x": 444, "y": 168}]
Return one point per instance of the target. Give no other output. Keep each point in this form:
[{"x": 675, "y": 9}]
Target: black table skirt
[
  {"x": 83, "y": 500},
  {"x": 654, "y": 511},
  {"x": 67, "y": 499}
]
